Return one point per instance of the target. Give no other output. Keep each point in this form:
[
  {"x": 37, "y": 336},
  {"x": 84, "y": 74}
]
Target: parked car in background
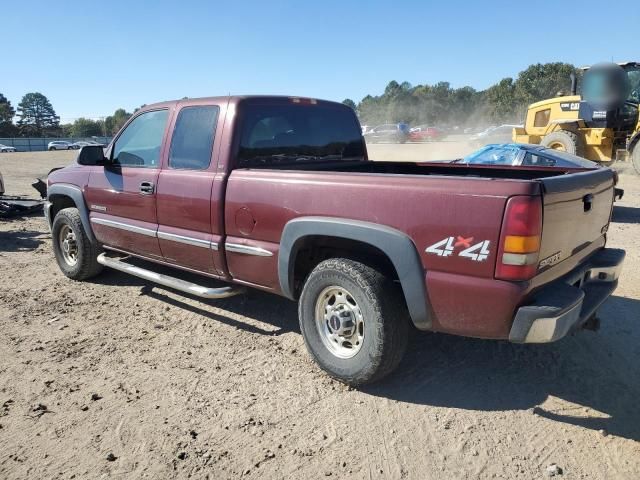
[
  {"x": 516, "y": 154},
  {"x": 500, "y": 134},
  {"x": 424, "y": 133},
  {"x": 59, "y": 145},
  {"x": 78, "y": 145},
  {"x": 6, "y": 149},
  {"x": 390, "y": 132},
  {"x": 527, "y": 155}
]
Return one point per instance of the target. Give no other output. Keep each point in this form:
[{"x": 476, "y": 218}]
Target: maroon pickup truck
[{"x": 278, "y": 193}]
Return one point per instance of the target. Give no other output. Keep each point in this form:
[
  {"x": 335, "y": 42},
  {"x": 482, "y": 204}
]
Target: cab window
[
  {"x": 140, "y": 142},
  {"x": 193, "y": 136},
  {"x": 291, "y": 134},
  {"x": 531, "y": 159},
  {"x": 542, "y": 118}
]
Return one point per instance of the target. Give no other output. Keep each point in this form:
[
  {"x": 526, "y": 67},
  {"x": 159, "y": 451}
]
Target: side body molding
[
  {"x": 75, "y": 193},
  {"x": 396, "y": 245}
]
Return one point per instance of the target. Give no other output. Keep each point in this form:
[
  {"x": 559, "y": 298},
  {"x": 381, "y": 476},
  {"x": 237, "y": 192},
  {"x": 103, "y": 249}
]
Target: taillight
[{"x": 520, "y": 239}]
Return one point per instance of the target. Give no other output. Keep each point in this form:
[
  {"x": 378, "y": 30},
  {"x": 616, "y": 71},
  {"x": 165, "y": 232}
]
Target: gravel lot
[{"x": 116, "y": 378}]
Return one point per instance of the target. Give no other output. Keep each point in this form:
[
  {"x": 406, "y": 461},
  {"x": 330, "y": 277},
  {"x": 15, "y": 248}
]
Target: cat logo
[{"x": 570, "y": 106}]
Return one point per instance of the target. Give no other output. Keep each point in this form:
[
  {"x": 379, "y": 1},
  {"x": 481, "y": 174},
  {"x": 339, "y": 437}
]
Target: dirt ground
[{"x": 115, "y": 378}]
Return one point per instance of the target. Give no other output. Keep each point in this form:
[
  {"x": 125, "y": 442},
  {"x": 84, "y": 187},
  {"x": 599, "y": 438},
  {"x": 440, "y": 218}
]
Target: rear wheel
[
  {"x": 353, "y": 320},
  {"x": 75, "y": 254},
  {"x": 564, "y": 141}
]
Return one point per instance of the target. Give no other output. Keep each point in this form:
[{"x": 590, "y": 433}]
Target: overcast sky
[{"x": 90, "y": 58}]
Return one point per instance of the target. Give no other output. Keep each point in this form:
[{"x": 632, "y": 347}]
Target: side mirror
[{"x": 92, "y": 155}]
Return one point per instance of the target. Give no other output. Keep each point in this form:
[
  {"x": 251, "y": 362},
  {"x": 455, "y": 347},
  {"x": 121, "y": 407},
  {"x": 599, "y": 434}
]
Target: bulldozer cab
[{"x": 601, "y": 122}]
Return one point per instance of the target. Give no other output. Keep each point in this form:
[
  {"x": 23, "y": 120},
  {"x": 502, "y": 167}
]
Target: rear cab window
[
  {"x": 193, "y": 135},
  {"x": 290, "y": 134}
]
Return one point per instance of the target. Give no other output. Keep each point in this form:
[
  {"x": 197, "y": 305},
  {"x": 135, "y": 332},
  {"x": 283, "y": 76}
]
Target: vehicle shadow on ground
[
  {"x": 256, "y": 305},
  {"x": 593, "y": 370},
  {"x": 625, "y": 214},
  {"x": 20, "y": 241},
  {"x": 590, "y": 370}
]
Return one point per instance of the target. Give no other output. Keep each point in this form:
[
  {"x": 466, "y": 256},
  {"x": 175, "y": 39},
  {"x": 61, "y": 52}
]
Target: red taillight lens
[{"x": 520, "y": 239}]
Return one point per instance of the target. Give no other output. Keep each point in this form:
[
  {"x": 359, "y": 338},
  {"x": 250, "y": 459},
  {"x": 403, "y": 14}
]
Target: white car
[
  {"x": 501, "y": 134},
  {"x": 60, "y": 145},
  {"x": 81, "y": 144},
  {"x": 6, "y": 148}
]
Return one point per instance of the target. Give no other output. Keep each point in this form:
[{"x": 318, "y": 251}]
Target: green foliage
[
  {"x": 542, "y": 81},
  {"x": 37, "y": 116},
  {"x": 7, "y": 128},
  {"x": 440, "y": 104},
  {"x": 350, "y": 103},
  {"x": 501, "y": 101},
  {"x": 114, "y": 122},
  {"x": 85, "y": 127},
  {"x": 422, "y": 104}
]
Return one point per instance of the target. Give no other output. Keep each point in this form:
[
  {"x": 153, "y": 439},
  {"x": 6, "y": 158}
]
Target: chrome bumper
[{"x": 569, "y": 302}]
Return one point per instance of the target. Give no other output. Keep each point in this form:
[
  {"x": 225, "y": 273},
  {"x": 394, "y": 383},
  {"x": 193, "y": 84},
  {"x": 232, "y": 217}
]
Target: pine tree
[
  {"x": 7, "y": 128},
  {"x": 37, "y": 116}
]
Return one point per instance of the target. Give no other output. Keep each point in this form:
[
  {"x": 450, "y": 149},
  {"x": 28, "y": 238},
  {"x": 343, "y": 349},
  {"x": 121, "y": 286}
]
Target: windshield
[
  {"x": 494, "y": 155},
  {"x": 633, "y": 74},
  {"x": 296, "y": 133}
]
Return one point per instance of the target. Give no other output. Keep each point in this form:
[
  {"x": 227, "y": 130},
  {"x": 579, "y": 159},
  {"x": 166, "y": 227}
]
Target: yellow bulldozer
[{"x": 602, "y": 123}]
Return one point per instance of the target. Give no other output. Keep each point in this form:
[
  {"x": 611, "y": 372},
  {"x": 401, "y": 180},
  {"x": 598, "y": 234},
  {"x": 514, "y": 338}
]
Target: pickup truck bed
[{"x": 278, "y": 193}]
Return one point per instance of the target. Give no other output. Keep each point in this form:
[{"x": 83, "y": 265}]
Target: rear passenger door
[{"x": 187, "y": 206}]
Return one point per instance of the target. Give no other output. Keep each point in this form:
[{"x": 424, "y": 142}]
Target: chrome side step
[{"x": 167, "y": 281}]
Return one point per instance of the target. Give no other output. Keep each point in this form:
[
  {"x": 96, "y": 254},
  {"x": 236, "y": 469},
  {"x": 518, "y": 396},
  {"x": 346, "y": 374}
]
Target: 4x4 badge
[{"x": 477, "y": 252}]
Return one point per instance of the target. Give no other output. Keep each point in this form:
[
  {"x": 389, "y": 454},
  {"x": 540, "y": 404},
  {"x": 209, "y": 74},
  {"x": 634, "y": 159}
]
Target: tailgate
[{"x": 576, "y": 213}]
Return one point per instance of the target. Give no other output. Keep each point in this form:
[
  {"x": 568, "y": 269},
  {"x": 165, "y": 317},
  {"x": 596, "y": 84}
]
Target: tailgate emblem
[{"x": 552, "y": 260}]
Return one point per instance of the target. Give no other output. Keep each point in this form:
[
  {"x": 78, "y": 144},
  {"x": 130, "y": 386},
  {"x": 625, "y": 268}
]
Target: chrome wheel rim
[
  {"x": 68, "y": 245},
  {"x": 339, "y": 322}
]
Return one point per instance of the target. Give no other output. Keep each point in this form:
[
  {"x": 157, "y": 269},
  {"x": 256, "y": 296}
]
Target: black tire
[
  {"x": 570, "y": 141},
  {"x": 385, "y": 321},
  {"x": 51, "y": 149},
  {"x": 635, "y": 157},
  {"x": 86, "y": 264}
]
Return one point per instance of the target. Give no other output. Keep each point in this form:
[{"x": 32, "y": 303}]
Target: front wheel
[
  {"x": 353, "y": 320},
  {"x": 75, "y": 254}
]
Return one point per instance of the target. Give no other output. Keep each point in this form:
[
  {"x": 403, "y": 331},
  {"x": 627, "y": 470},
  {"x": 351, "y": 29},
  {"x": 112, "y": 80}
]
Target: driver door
[{"x": 121, "y": 196}]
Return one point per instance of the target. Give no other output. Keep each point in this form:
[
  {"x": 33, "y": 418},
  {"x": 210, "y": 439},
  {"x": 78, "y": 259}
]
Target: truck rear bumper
[{"x": 570, "y": 301}]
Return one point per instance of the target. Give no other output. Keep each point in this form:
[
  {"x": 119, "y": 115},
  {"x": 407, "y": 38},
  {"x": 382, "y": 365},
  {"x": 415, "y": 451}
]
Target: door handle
[{"x": 147, "y": 188}]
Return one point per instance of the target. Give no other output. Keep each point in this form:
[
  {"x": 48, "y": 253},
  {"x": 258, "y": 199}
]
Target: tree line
[
  {"x": 442, "y": 105},
  {"x": 37, "y": 118},
  {"x": 438, "y": 104}
]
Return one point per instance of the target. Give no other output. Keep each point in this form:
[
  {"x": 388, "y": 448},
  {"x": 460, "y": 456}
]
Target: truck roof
[{"x": 235, "y": 99}]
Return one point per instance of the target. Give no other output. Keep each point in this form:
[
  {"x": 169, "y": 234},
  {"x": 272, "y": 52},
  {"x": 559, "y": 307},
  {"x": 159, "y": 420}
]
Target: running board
[{"x": 167, "y": 281}]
